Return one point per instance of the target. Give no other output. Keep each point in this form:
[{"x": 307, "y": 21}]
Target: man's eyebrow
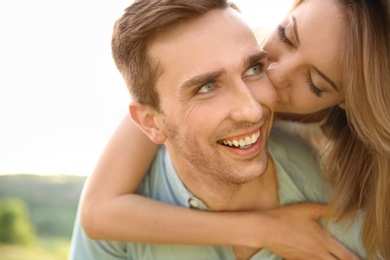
[
  {"x": 212, "y": 76},
  {"x": 255, "y": 58},
  {"x": 202, "y": 79},
  {"x": 322, "y": 75},
  {"x": 295, "y": 29}
]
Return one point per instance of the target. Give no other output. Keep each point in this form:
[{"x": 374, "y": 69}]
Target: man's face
[{"x": 216, "y": 99}]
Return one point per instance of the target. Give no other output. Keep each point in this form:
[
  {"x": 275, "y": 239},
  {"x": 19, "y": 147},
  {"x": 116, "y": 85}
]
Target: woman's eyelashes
[
  {"x": 282, "y": 36},
  {"x": 316, "y": 91}
]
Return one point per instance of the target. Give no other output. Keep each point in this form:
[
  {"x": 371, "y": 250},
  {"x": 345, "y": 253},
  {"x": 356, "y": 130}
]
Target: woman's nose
[
  {"x": 279, "y": 61},
  {"x": 278, "y": 74}
]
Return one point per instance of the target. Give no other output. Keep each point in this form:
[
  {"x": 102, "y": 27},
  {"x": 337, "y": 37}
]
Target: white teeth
[
  {"x": 248, "y": 140},
  {"x": 243, "y": 143},
  {"x": 254, "y": 138}
]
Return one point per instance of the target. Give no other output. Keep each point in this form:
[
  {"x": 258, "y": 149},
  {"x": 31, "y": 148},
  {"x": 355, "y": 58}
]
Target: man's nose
[{"x": 244, "y": 106}]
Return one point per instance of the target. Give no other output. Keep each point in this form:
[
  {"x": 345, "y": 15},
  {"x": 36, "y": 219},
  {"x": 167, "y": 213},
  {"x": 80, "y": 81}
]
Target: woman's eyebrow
[
  {"x": 326, "y": 78},
  {"x": 322, "y": 75},
  {"x": 295, "y": 29}
]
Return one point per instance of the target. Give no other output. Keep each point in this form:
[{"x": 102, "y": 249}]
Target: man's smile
[{"x": 243, "y": 142}]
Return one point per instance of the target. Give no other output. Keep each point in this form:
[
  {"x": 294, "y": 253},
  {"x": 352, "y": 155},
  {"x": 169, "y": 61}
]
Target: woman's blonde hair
[{"x": 357, "y": 162}]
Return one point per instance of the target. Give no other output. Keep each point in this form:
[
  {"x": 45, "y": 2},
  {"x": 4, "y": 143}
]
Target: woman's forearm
[
  {"x": 290, "y": 231},
  {"x": 119, "y": 170},
  {"x": 136, "y": 218}
]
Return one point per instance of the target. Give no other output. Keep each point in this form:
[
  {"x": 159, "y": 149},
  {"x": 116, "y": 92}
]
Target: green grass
[
  {"x": 45, "y": 249},
  {"x": 52, "y": 204}
]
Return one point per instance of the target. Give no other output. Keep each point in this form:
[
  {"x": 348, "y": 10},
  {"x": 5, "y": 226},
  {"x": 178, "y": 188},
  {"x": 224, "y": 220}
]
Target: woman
[{"x": 328, "y": 59}]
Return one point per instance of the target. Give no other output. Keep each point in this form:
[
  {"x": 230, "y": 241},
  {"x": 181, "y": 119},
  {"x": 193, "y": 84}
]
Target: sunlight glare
[{"x": 264, "y": 13}]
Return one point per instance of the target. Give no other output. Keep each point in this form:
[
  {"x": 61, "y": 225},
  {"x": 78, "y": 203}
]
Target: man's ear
[{"x": 145, "y": 117}]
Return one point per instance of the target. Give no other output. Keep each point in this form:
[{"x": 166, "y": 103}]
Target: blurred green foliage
[
  {"x": 46, "y": 249},
  {"x": 37, "y": 214},
  {"x": 51, "y": 200},
  {"x": 15, "y": 226}
]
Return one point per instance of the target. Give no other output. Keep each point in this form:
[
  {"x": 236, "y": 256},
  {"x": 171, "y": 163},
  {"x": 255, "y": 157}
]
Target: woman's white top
[{"x": 310, "y": 132}]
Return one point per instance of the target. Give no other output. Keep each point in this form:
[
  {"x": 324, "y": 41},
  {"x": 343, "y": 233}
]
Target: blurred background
[{"x": 61, "y": 97}]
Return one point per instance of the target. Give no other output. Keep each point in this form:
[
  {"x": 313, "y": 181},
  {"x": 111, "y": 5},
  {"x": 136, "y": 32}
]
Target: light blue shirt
[{"x": 298, "y": 178}]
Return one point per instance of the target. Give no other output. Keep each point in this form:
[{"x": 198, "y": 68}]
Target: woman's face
[{"x": 305, "y": 59}]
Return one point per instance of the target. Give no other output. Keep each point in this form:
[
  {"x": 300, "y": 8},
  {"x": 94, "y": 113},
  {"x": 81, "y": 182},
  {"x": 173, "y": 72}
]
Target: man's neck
[{"x": 258, "y": 194}]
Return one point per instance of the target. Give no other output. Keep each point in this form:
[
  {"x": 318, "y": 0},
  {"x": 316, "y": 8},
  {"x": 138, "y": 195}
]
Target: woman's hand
[{"x": 293, "y": 232}]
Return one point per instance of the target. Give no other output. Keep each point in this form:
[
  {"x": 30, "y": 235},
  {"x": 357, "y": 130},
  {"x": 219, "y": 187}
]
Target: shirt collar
[{"x": 185, "y": 197}]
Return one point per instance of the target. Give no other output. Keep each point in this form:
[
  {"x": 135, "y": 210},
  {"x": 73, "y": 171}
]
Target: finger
[
  {"x": 340, "y": 251},
  {"x": 325, "y": 256},
  {"x": 314, "y": 210},
  {"x": 318, "y": 256},
  {"x": 319, "y": 211}
]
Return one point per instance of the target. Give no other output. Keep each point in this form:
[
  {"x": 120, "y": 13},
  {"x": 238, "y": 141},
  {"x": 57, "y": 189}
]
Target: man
[{"x": 197, "y": 75}]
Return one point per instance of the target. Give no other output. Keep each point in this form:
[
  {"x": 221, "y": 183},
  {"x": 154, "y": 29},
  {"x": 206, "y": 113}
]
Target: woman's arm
[
  {"x": 120, "y": 169},
  {"x": 110, "y": 210}
]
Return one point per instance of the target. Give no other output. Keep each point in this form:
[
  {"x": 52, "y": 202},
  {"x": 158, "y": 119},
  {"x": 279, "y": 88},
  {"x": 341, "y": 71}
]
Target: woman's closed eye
[
  {"x": 316, "y": 91},
  {"x": 282, "y": 36}
]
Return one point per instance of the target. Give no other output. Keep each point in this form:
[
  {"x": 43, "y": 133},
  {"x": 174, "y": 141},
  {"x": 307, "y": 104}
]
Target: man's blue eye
[
  {"x": 255, "y": 70},
  {"x": 208, "y": 87}
]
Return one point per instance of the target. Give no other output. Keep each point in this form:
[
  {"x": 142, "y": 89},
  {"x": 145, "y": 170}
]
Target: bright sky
[{"x": 60, "y": 93}]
